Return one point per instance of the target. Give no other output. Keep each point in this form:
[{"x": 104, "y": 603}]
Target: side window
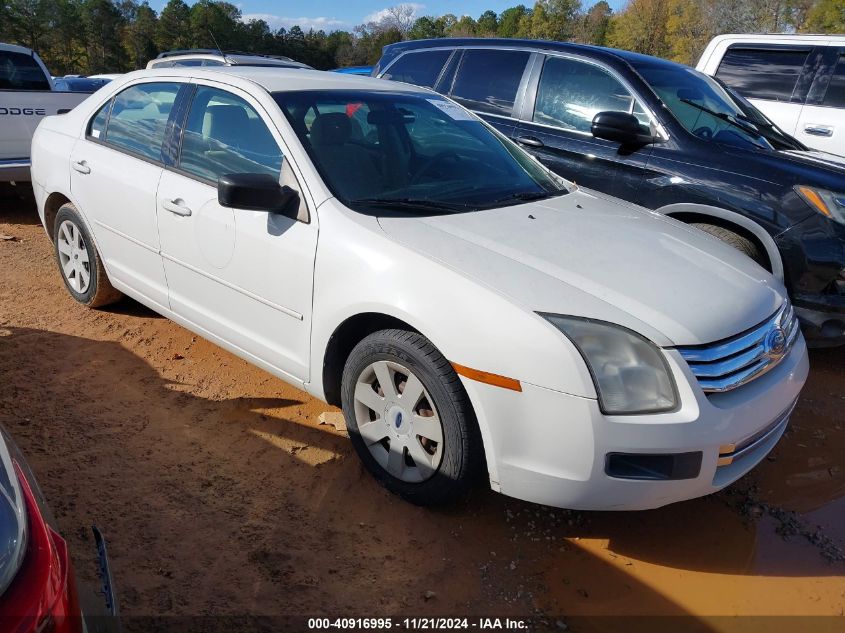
[
  {"x": 185, "y": 63},
  {"x": 835, "y": 95},
  {"x": 571, "y": 93},
  {"x": 225, "y": 135},
  {"x": 162, "y": 65},
  {"x": 139, "y": 117},
  {"x": 762, "y": 73},
  {"x": 19, "y": 71},
  {"x": 420, "y": 69},
  {"x": 97, "y": 127},
  {"x": 212, "y": 62},
  {"x": 487, "y": 80}
]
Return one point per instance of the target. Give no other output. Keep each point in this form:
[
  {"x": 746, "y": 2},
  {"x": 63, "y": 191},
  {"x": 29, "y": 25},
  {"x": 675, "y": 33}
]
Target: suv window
[
  {"x": 225, "y": 135},
  {"x": 19, "y": 71},
  {"x": 572, "y": 92},
  {"x": 487, "y": 80},
  {"x": 420, "y": 69},
  {"x": 139, "y": 116},
  {"x": 835, "y": 95},
  {"x": 762, "y": 73}
]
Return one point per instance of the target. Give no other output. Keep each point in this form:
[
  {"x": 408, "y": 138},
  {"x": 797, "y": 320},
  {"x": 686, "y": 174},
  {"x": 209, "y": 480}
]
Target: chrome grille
[{"x": 733, "y": 362}]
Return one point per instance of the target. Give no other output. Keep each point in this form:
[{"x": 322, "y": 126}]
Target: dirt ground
[{"x": 220, "y": 494}]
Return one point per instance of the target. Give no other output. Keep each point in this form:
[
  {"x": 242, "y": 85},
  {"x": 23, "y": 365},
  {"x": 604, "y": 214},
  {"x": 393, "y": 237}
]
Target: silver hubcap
[
  {"x": 73, "y": 256},
  {"x": 398, "y": 422}
]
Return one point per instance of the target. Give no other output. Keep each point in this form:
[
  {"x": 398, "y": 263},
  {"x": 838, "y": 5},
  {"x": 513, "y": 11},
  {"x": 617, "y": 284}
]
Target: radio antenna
[{"x": 214, "y": 39}]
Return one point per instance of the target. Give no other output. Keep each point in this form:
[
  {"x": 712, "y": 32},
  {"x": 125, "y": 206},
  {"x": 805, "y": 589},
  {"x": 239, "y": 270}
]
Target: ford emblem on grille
[{"x": 775, "y": 342}]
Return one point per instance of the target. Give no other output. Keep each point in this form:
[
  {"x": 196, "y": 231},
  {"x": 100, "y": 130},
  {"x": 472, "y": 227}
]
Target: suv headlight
[
  {"x": 828, "y": 203},
  {"x": 629, "y": 371}
]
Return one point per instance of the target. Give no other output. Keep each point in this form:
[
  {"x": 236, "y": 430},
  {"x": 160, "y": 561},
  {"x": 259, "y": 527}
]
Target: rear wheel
[
  {"x": 409, "y": 418},
  {"x": 740, "y": 243},
  {"x": 79, "y": 262}
]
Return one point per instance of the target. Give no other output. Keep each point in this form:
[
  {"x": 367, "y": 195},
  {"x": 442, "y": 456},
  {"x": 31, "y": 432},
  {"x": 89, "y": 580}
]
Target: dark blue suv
[{"x": 663, "y": 136}]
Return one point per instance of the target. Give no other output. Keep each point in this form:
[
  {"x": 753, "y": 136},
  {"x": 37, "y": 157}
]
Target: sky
[{"x": 331, "y": 15}]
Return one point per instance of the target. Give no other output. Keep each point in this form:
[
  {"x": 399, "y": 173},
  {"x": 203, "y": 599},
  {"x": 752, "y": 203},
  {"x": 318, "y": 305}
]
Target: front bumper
[
  {"x": 813, "y": 254},
  {"x": 552, "y": 448}
]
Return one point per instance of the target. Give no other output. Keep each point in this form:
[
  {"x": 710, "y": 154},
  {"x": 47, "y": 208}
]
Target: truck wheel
[
  {"x": 79, "y": 262},
  {"x": 740, "y": 243},
  {"x": 409, "y": 418}
]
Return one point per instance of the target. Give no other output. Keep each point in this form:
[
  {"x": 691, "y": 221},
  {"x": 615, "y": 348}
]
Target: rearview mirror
[
  {"x": 257, "y": 192},
  {"x": 620, "y": 127}
]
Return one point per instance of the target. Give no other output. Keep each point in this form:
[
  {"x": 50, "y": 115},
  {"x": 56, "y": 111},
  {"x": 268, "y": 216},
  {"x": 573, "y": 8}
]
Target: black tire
[
  {"x": 98, "y": 292},
  {"x": 462, "y": 452},
  {"x": 740, "y": 243}
]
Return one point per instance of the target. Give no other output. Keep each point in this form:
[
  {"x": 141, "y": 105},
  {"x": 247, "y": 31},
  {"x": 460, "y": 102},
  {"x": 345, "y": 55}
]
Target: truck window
[
  {"x": 763, "y": 73},
  {"x": 487, "y": 80},
  {"x": 19, "y": 71},
  {"x": 420, "y": 69},
  {"x": 835, "y": 95}
]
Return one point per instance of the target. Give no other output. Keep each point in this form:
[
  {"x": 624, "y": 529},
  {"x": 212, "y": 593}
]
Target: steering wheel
[
  {"x": 703, "y": 132},
  {"x": 427, "y": 165}
]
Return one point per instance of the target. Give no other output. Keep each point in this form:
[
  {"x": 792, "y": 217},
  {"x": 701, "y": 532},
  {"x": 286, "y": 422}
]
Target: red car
[{"x": 38, "y": 590}]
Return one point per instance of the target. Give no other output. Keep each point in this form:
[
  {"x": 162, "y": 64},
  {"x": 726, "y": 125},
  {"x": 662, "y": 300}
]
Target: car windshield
[
  {"x": 703, "y": 106},
  {"x": 414, "y": 153}
]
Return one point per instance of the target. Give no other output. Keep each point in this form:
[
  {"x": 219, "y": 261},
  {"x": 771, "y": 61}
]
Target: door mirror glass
[
  {"x": 621, "y": 127},
  {"x": 257, "y": 192}
]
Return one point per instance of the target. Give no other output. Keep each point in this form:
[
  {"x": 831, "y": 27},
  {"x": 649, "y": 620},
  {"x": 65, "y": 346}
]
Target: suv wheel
[
  {"x": 740, "y": 243},
  {"x": 409, "y": 418},
  {"x": 79, "y": 263}
]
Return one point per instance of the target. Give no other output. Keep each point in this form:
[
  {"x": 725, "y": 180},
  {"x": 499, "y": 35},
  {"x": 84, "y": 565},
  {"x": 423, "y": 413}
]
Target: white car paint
[
  {"x": 274, "y": 291},
  {"x": 818, "y": 127}
]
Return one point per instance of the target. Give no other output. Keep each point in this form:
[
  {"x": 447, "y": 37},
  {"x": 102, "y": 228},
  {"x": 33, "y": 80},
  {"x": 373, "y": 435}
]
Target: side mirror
[
  {"x": 257, "y": 192},
  {"x": 620, "y": 127}
]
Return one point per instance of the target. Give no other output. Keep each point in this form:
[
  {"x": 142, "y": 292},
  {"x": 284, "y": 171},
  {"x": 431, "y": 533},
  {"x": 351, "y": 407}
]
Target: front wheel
[
  {"x": 409, "y": 418},
  {"x": 740, "y": 243}
]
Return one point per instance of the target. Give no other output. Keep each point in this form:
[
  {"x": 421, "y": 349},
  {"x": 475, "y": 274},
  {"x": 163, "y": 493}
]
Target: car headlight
[
  {"x": 629, "y": 372},
  {"x": 828, "y": 203}
]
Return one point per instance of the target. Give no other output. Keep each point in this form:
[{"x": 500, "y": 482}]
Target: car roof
[
  {"x": 588, "y": 50},
  {"x": 285, "y": 79},
  {"x": 780, "y": 38}
]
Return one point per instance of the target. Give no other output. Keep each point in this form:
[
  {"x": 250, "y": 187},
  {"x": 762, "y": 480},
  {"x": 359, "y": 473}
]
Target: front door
[
  {"x": 558, "y": 127},
  {"x": 243, "y": 276},
  {"x": 821, "y": 124}
]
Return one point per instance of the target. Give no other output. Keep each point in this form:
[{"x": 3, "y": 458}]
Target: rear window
[
  {"x": 835, "y": 95},
  {"x": 763, "y": 73},
  {"x": 487, "y": 80},
  {"x": 420, "y": 69},
  {"x": 19, "y": 71}
]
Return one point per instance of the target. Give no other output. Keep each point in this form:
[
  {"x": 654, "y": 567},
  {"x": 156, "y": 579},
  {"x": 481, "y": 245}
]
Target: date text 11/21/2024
[{"x": 418, "y": 624}]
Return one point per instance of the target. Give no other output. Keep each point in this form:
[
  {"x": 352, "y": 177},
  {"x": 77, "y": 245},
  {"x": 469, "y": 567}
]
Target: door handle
[
  {"x": 81, "y": 166},
  {"x": 819, "y": 130},
  {"x": 174, "y": 207},
  {"x": 530, "y": 141}
]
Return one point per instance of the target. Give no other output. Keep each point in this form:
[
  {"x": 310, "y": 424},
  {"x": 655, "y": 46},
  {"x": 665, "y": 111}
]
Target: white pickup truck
[{"x": 27, "y": 95}]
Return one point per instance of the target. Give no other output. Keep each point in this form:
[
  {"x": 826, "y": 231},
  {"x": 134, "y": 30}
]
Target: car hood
[{"x": 586, "y": 254}]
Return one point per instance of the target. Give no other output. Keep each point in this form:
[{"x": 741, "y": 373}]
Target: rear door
[
  {"x": 821, "y": 124},
  {"x": 115, "y": 172},
  {"x": 557, "y": 123},
  {"x": 491, "y": 83}
]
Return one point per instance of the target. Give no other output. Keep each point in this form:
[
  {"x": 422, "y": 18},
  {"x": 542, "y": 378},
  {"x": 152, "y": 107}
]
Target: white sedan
[{"x": 382, "y": 248}]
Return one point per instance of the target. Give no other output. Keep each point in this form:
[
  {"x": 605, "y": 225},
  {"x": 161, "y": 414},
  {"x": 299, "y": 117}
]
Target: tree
[
  {"x": 103, "y": 26},
  {"x": 140, "y": 36},
  {"x": 593, "y": 26},
  {"x": 826, "y": 16},
  {"x": 174, "y": 26},
  {"x": 487, "y": 24},
  {"x": 214, "y": 23},
  {"x": 510, "y": 20},
  {"x": 426, "y": 28},
  {"x": 641, "y": 27}
]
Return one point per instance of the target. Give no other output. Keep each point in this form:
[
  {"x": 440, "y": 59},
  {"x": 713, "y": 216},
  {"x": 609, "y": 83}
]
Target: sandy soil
[{"x": 220, "y": 493}]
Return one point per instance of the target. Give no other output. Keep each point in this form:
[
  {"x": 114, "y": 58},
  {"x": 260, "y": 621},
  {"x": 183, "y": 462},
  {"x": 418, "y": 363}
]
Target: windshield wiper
[
  {"x": 526, "y": 196},
  {"x": 411, "y": 203},
  {"x": 737, "y": 121}
]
